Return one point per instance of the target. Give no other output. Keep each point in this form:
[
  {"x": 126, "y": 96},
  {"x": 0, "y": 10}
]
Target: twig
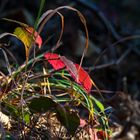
[
  {"x": 123, "y": 56},
  {"x": 117, "y": 62},
  {"x": 99, "y": 13},
  {"x": 102, "y": 66}
]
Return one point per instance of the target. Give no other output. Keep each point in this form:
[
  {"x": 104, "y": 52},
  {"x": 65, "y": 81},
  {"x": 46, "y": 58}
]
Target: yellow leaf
[
  {"x": 26, "y": 38},
  {"x": 27, "y": 35}
]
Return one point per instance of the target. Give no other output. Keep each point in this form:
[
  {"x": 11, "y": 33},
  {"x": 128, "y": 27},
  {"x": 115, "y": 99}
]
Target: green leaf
[
  {"x": 41, "y": 104},
  {"x": 26, "y": 118},
  {"x": 98, "y": 103},
  {"x": 68, "y": 118}
]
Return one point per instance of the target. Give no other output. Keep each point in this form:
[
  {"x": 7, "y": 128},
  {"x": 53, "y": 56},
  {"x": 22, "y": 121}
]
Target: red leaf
[
  {"x": 83, "y": 78},
  {"x": 38, "y": 39},
  {"x": 54, "y": 60},
  {"x": 77, "y": 72},
  {"x": 102, "y": 134}
]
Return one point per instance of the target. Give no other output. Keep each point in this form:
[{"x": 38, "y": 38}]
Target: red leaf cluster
[{"x": 75, "y": 70}]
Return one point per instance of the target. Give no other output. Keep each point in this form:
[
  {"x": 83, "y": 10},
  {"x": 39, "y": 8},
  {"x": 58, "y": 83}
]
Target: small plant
[{"x": 44, "y": 98}]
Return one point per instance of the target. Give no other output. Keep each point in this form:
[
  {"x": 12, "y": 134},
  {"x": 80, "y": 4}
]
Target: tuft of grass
[{"x": 34, "y": 94}]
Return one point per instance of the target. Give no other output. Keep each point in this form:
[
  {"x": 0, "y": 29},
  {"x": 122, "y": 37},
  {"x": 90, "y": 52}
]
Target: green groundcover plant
[{"x": 45, "y": 97}]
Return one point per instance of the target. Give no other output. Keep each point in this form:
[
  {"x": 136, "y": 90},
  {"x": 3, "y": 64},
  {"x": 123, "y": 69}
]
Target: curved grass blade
[{"x": 49, "y": 14}]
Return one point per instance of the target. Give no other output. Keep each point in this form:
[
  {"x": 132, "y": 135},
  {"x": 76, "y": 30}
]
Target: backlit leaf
[
  {"x": 24, "y": 36},
  {"x": 30, "y": 30},
  {"x": 37, "y": 38},
  {"x": 77, "y": 72},
  {"x": 83, "y": 78},
  {"x": 27, "y": 35},
  {"x": 54, "y": 60}
]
